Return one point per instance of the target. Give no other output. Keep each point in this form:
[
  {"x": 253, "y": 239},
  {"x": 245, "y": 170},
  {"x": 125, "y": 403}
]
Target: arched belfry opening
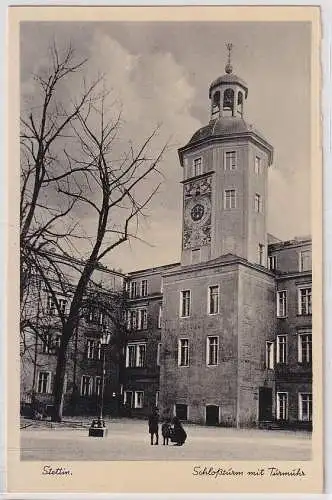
[
  {"x": 216, "y": 104},
  {"x": 228, "y": 93},
  {"x": 240, "y": 103},
  {"x": 228, "y": 103}
]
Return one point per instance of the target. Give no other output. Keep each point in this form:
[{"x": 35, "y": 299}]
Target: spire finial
[{"x": 229, "y": 67}]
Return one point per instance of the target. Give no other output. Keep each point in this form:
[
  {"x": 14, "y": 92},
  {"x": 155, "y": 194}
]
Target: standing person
[
  {"x": 166, "y": 431},
  {"x": 179, "y": 435},
  {"x": 154, "y": 425}
]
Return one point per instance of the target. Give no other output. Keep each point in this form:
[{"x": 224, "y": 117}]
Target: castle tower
[{"x": 225, "y": 167}]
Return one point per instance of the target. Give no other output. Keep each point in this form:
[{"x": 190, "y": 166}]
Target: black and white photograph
[{"x": 167, "y": 299}]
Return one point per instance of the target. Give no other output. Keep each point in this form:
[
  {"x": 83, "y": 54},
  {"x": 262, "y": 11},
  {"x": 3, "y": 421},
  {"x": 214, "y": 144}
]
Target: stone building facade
[
  {"x": 234, "y": 344},
  {"x": 87, "y": 357}
]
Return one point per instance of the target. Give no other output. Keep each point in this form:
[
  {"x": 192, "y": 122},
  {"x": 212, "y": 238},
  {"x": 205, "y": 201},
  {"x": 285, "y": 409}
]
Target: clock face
[{"x": 197, "y": 212}]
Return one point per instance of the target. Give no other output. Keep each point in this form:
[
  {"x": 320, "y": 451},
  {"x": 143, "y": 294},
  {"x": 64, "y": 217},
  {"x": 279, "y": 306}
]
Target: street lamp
[{"x": 98, "y": 427}]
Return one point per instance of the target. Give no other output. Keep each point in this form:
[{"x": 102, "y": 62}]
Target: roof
[
  {"x": 226, "y": 127},
  {"x": 152, "y": 270},
  {"x": 228, "y": 78},
  {"x": 296, "y": 242}
]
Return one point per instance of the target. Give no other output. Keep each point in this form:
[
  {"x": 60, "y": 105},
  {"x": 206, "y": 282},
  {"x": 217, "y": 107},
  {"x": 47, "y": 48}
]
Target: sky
[{"x": 161, "y": 73}]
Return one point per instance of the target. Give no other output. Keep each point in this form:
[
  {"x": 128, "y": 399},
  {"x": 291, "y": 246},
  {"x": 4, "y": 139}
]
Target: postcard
[{"x": 164, "y": 307}]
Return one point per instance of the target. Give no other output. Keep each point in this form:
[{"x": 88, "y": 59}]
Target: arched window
[
  {"x": 240, "y": 103},
  {"x": 228, "y": 103},
  {"x": 216, "y": 104}
]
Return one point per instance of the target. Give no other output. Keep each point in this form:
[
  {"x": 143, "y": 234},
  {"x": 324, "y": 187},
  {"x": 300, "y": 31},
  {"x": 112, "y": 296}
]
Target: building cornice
[
  {"x": 228, "y": 260},
  {"x": 294, "y": 275},
  {"x": 250, "y": 135},
  {"x": 197, "y": 177}
]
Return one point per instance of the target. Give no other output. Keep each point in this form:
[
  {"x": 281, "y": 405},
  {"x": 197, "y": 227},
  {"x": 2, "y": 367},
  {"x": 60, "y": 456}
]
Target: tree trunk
[
  {"x": 68, "y": 331},
  {"x": 59, "y": 380}
]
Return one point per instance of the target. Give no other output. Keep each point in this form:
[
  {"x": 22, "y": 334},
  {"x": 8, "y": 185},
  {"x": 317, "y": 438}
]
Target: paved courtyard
[{"x": 129, "y": 440}]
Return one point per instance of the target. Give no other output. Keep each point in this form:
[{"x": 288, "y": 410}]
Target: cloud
[{"x": 281, "y": 223}]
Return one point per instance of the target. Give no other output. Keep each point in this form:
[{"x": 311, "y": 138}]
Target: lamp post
[{"x": 98, "y": 427}]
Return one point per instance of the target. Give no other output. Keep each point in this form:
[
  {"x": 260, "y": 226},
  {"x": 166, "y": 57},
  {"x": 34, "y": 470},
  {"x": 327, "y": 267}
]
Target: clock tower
[{"x": 225, "y": 167}]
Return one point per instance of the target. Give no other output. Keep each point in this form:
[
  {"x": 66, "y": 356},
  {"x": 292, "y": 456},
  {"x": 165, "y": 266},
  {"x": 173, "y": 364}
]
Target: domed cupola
[{"x": 228, "y": 92}]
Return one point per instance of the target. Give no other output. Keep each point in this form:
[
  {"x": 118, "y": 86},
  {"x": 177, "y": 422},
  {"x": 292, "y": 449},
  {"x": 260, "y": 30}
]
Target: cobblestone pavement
[{"x": 129, "y": 440}]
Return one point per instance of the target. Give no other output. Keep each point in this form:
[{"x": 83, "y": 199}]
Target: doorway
[
  {"x": 265, "y": 404},
  {"x": 181, "y": 411},
  {"x": 212, "y": 415}
]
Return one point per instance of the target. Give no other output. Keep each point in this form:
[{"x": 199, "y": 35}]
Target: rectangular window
[
  {"x": 160, "y": 316},
  {"x": 261, "y": 254},
  {"x": 98, "y": 386},
  {"x": 272, "y": 262},
  {"x": 135, "y": 355},
  {"x": 86, "y": 385},
  {"x": 90, "y": 349},
  {"x": 101, "y": 318},
  {"x": 230, "y": 199},
  {"x": 305, "y": 348},
  {"x": 183, "y": 352},
  {"x": 139, "y": 399},
  {"x": 142, "y": 319},
  {"x": 51, "y": 343},
  {"x": 157, "y": 399},
  {"x": 258, "y": 203},
  {"x": 141, "y": 350},
  {"x": 305, "y": 259},
  {"x": 128, "y": 398},
  {"x": 44, "y": 382},
  {"x": 47, "y": 343},
  {"x": 144, "y": 288},
  {"x": 91, "y": 316},
  {"x": 185, "y": 304},
  {"x": 213, "y": 299},
  {"x": 230, "y": 160},
  {"x": 212, "y": 350},
  {"x": 282, "y": 349},
  {"x": 158, "y": 353},
  {"x": 62, "y": 305},
  {"x": 196, "y": 256},
  {"x": 304, "y": 300},
  {"x": 51, "y": 309},
  {"x": 282, "y": 304},
  {"x": 197, "y": 167},
  {"x": 132, "y": 319},
  {"x": 131, "y": 356},
  {"x": 95, "y": 316},
  {"x": 305, "y": 407},
  {"x": 93, "y": 349},
  {"x": 282, "y": 405},
  {"x": 56, "y": 342},
  {"x": 258, "y": 165},
  {"x": 133, "y": 290},
  {"x": 269, "y": 355}
]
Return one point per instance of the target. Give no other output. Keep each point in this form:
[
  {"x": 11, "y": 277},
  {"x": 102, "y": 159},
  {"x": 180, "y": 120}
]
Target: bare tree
[{"x": 110, "y": 189}]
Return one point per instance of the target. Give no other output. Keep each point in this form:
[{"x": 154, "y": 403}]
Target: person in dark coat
[
  {"x": 154, "y": 425},
  {"x": 178, "y": 434},
  {"x": 166, "y": 431}
]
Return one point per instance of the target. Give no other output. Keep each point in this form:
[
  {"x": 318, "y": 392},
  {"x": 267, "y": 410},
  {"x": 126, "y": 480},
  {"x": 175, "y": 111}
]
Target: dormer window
[
  {"x": 228, "y": 102},
  {"x": 197, "y": 166}
]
